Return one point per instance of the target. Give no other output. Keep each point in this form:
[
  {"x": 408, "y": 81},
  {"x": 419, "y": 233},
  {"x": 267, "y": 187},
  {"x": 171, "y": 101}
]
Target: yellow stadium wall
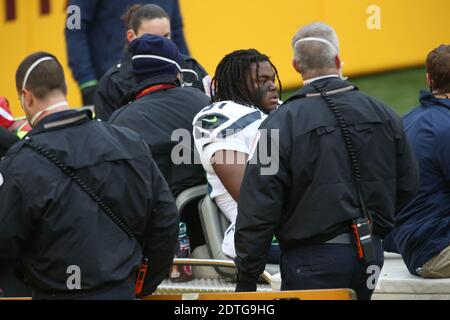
[{"x": 213, "y": 28}]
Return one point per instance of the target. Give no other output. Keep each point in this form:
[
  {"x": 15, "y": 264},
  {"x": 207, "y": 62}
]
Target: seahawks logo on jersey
[
  {"x": 223, "y": 119},
  {"x": 211, "y": 121}
]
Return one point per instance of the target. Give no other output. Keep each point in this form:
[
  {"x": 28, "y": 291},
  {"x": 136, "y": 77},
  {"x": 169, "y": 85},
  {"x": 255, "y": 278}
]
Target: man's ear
[
  {"x": 338, "y": 62},
  {"x": 131, "y": 35},
  {"x": 296, "y": 66},
  {"x": 28, "y": 98},
  {"x": 429, "y": 81}
]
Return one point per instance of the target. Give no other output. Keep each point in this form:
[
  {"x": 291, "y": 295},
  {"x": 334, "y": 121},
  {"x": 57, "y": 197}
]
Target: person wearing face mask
[
  {"x": 162, "y": 113},
  {"x": 343, "y": 165},
  {"x": 224, "y": 132},
  {"x": 119, "y": 80},
  {"x": 422, "y": 230},
  {"x": 81, "y": 202},
  {"x": 94, "y": 47}
]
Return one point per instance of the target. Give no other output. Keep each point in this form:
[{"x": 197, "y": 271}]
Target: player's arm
[{"x": 229, "y": 166}]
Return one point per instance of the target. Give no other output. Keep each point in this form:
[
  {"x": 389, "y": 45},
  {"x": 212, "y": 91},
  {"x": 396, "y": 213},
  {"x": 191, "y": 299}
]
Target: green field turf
[{"x": 399, "y": 89}]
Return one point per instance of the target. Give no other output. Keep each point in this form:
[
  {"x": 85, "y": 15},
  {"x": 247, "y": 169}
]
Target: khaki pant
[{"x": 438, "y": 267}]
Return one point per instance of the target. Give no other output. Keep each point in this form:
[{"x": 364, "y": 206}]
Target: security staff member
[
  {"x": 119, "y": 80},
  {"x": 311, "y": 200},
  {"x": 69, "y": 246},
  {"x": 161, "y": 108}
]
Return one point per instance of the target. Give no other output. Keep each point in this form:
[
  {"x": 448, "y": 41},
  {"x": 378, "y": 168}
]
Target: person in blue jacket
[
  {"x": 422, "y": 231},
  {"x": 94, "y": 48}
]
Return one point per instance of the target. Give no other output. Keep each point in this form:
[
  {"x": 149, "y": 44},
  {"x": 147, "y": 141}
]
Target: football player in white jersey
[{"x": 244, "y": 91}]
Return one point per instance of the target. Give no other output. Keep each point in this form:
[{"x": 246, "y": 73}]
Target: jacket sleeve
[
  {"x": 77, "y": 42},
  {"x": 7, "y": 139},
  {"x": 162, "y": 232},
  {"x": 107, "y": 98},
  {"x": 407, "y": 169},
  {"x": 177, "y": 28},
  {"x": 15, "y": 223},
  {"x": 201, "y": 73},
  {"x": 442, "y": 154},
  {"x": 261, "y": 201}
]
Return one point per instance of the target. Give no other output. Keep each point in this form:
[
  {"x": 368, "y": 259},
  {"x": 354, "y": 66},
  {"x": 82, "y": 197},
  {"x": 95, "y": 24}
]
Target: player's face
[
  {"x": 158, "y": 26},
  {"x": 263, "y": 82}
]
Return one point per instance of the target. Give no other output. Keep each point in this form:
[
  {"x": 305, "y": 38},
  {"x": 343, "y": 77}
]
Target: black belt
[{"x": 344, "y": 238}]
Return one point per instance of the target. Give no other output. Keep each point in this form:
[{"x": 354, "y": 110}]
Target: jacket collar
[
  {"x": 61, "y": 120},
  {"x": 427, "y": 99},
  {"x": 125, "y": 61},
  {"x": 309, "y": 81},
  {"x": 161, "y": 79},
  {"x": 327, "y": 84}
]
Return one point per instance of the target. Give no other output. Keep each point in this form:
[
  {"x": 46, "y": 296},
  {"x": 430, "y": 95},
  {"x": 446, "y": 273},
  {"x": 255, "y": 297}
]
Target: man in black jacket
[
  {"x": 70, "y": 245},
  {"x": 307, "y": 194},
  {"x": 162, "y": 114},
  {"x": 118, "y": 81}
]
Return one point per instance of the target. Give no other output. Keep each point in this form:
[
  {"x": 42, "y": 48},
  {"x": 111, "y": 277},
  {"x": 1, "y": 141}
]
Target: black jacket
[
  {"x": 311, "y": 198},
  {"x": 156, "y": 117},
  {"x": 7, "y": 139},
  {"x": 114, "y": 86},
  {"x": 50, "y": 223}
]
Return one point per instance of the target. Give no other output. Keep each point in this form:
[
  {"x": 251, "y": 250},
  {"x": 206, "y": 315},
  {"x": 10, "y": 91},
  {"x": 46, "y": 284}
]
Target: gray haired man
[{"x": 344, "y": 163}]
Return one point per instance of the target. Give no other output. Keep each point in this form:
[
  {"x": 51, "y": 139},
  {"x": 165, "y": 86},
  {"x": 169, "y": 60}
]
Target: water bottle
[{"x": 182, "y": 273}]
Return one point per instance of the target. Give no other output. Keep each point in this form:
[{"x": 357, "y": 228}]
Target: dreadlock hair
[{"x": 230, "y": 80}]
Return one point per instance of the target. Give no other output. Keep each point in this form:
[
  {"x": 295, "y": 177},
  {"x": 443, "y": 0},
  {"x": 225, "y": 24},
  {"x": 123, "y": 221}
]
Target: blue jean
[{"x": 329, "y": 266}]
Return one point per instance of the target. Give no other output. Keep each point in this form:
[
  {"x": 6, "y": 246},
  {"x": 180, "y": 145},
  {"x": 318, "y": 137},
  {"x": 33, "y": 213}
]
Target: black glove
[
  {"x": 245, "y": 287},
  {"x": 88, "y": 95}
]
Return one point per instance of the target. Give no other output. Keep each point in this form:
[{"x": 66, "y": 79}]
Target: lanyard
[{"x": 154, "y": 88}]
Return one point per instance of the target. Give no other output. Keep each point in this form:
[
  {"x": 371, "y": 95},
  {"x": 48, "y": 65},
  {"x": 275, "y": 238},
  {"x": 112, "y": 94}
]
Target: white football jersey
[{"x": 225, "y": 125}]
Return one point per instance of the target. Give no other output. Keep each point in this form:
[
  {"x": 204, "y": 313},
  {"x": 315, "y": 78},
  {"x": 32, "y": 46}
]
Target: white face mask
[
  {"x": 49, "y": 108},
  {"x": 318, "y": 40},
  {"x": 27, "y": 75},
  {"x": 22, "y": 96},
  {"x": 336, "y": 50}
]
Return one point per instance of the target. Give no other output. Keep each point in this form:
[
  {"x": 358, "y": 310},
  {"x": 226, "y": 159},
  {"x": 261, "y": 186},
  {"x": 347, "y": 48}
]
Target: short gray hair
[{"x": 315, "y": 55}]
